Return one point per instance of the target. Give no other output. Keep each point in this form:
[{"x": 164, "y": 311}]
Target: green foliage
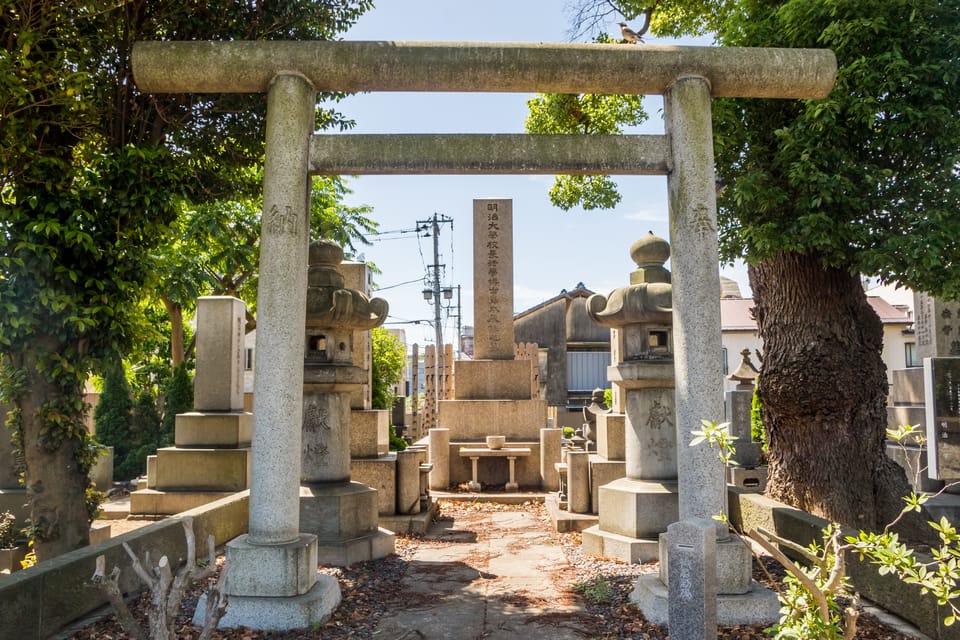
[
  {"x": 757, "y": 431},
  {"x": 608, "y": 396},
  {"x": 177, "y": 398},
  {"x": 865, "y": 179},
  {"x": 555, "y": 113},
  {"x": 716, "y": 435},
  {"x": 396, "y": 442},
  {"x": 598, "y": 589},
  {"x": 92, "y": 174},
  {"x": 388, "y": 358},
  {"x": 112, "y": 418}
]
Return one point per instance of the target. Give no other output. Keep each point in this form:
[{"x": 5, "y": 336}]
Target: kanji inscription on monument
[{"x": 493, "y": 279}]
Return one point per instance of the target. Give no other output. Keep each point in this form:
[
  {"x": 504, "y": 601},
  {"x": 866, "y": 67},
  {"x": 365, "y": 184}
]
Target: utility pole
[{"x": 434, "y": 292}]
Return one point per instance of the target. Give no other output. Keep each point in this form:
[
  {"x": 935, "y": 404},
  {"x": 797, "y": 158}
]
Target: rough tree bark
[
  {"x": 56, "y": 488},
  {"x": 823, "y": 386}
]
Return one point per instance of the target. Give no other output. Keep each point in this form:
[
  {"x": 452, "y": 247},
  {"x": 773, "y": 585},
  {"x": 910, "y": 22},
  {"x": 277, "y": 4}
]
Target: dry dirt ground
[{"x": 589, "y": 596}]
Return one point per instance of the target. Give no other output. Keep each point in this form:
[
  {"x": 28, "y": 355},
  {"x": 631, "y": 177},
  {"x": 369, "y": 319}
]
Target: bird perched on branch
[{"x": 629, "y": 35}]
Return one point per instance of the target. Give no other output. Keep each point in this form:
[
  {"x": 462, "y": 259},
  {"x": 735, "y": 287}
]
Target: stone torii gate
[{"x": 272, "y": 579}]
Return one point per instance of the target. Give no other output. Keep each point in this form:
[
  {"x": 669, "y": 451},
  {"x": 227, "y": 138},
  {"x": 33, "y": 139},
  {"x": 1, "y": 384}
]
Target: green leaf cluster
[
  {"x": 585, "y": 114},
  {"x": 388, "y": 357}
]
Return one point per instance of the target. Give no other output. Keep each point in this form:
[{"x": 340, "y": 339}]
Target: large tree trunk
[
  {"x": 56, "y": 486},
  {"x": 175, "y": 312},
  {"x": 823, "y": 386}
]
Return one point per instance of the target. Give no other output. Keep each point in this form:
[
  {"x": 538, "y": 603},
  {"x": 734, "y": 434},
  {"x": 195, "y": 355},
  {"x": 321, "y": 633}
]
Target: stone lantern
[
  {"x": 342, "y": 513},
  {"x": 634, "y": 510}
]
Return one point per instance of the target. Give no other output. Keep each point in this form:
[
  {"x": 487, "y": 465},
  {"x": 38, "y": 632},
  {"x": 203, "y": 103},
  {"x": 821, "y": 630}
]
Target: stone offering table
[{"x": 510, "y": 453}]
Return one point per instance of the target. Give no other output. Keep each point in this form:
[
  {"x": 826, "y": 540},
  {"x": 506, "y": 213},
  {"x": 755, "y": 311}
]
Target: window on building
[
  {"x": 248, "y": 359},
  {"x": 910, "y": 354},
  {"x": 723, "y": 356}
]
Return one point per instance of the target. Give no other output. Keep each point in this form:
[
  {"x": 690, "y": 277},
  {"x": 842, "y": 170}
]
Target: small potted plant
[{"x": 11, "y": 553}]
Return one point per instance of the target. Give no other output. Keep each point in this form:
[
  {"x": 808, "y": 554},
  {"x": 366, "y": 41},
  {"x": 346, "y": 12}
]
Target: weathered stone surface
[
  {"x": 493, "y": 279},
  {"x": 227, "y": 429},
  {"x": 693, "y": 590},
  {"x": 249, "y": 67},
  {"x": 281, "y": 312},
  {"x": 696, "y": 287},
  {"x": 492, "y": 379},
  {"x": 477, "y": 419},
  {"x": 221, "y": 327},
  {"x": 369, "y": 433}
]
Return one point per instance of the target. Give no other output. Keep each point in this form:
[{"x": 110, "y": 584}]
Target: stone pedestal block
[
  {"x": 598, "y": 542},
  {"x": 733, "y": 564},
  {"x": 550, "y": 446},
  {"x": 369, "y": 433},
  {"x": 151, "y": 502},
  {"x": 408, "y": 481},
  {"x": 752, "y": 480},
  {"x": 747, "y": 453},
  {"x": 151, "y": 472},
  {"x": 493, "y": 379},
  {"x": 344, "y": 518},
  {"x": 603, "y": 472},
  {"x": 611, "y": 435},
  {"x": 335, "y": 512},
  {"x": 209, "y": 429},
  {"x": 578, "y": 481},
  {"x": 274, "y": 570},
  {"x": 758, "y": 606},
  {"x": 380, "y": 474},
  {"x": 477, "y": 419},
  {"x": 638, "y": 508},
  {"x": 440, "y": 459},
  {"x": 278, "y": 614},
  {"x": 202, "y": 469}
]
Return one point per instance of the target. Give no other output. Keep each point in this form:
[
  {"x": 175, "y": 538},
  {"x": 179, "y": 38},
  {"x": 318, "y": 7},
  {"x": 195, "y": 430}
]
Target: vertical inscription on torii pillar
[{"x": 493, "y": 279}]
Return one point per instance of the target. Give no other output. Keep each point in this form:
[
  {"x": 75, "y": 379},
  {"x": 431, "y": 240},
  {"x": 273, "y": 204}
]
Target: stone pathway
[{"x": 489, "y": 575}]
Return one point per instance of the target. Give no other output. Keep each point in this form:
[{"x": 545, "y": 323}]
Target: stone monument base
[
  {"x": 278, "y": 614},
  {"x": 620, "y": 547},
  {"x": 343, "y": 515},
  {"x": 564, "y": 520},
  {"x": 152, "y": 502},
  {"x": 638, "y": 508},
  {"x": 758, "y": 606}
]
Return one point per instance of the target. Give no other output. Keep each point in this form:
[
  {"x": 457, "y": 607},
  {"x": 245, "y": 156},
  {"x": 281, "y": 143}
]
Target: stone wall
[{"x": 44, "y": 599}]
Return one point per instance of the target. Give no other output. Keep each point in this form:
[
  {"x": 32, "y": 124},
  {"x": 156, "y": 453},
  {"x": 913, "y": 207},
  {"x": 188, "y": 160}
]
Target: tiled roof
[{"x": 735, "y": 313}]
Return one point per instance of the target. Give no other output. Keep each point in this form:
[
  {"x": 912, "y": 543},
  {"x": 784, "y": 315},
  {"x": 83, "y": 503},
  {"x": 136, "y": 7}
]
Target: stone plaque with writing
[{"x": 942, "y": 389}]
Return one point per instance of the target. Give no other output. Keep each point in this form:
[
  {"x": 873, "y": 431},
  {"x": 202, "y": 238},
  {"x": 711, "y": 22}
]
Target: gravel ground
[{"x": 369, "y": 589}]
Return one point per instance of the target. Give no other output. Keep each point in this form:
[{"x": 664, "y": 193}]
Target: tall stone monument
[
  {"x": 342, "y": 513},
  {"x": 210, "y": 458},
  {"x": 493, "y": 393},
  {"x": 634, "y": 510}
]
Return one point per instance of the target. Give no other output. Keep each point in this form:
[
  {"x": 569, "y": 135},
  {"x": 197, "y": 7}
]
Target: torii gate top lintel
[{"x": 250, "y": 66}]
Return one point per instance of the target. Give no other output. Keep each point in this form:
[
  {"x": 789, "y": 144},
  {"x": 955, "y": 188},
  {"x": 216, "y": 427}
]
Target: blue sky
[{"x": 553, "y": 250}]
